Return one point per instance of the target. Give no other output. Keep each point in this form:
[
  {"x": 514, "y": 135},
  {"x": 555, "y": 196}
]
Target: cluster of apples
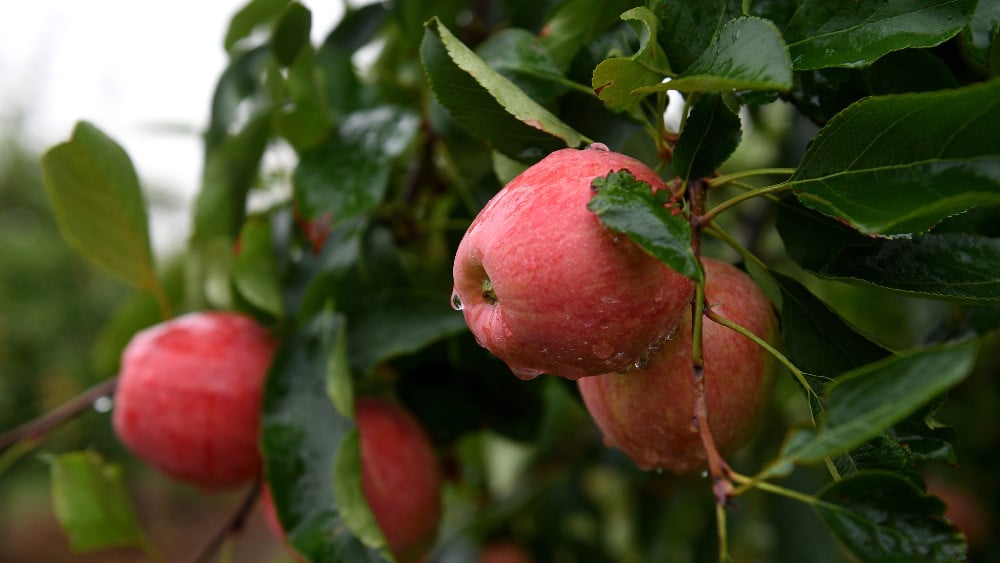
[
  {"x": 548, "y": 289},
  {"x": 188, "y": 403}
]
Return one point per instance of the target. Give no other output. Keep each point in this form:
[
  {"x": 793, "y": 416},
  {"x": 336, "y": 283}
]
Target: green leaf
[
  {"x": 351, "y": 499},
  {"x": 880, "y": 453},
  {"x": 956, "y": 267},
  {"x": 627, "y": 205},
  {"x": 925, "y": 437},
  {"x": 99, "y": 206},
  {"x": 824, "y": 34},
  {"x": 517, "y": 55},
  {"x": 306, "y": 117},
  {"x": 255, "y": 268},
  {"x": 712, "y": 132},
  {"x": 291, "y": 33},
  {"x": 864, "y": 402},
  {"x": 348, "y": 176},
  {"x": 747, "y": 54},
  {"x": 400, "y": 322},
  {"x": 302, "y": 436},
  {"x": 881, "y": 516},
  {"x": 486, "y": 103},
  {"x": 249, "y": 17},
  {"x": 576, "y": 23},
  {"x": 92, "y": 503},
  {"x": 816, "y": 339},
  {"x": 688, "y": 27},
  {"x": 900, "y": 164},
  {"x": 616, "y": 79},
  {"x": 981, "y": 34}
]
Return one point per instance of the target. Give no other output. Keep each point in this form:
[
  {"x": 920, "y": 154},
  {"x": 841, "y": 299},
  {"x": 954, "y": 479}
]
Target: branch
[
  {"x": 717, "y": 466},
  {"x": 37, "y": 428},
  {"x": 232, "y": 526}
]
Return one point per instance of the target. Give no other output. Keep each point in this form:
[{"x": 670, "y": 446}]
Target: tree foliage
[{"x": 877, "y": 123}]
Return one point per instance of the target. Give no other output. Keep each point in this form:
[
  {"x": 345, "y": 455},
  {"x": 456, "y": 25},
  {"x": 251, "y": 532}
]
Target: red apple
[
  {"x": 505, "y": 552},
  {"x": 188, "y": 397},
  {"x": 547, "y": 288},
  {"x": 648, "y": 413},
  {"x": 400, "y": 477}
]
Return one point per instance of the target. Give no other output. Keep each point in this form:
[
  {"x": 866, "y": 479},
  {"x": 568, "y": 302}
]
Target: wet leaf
[
  {"x": 957, "y": 267},
  {"x": 747, "y": 54},
  {"x": 575, "y": 23},
  {"x": 900, "y": 164},
  {"x": 864, "y": 402},
  {"x": 880, "y": 516},
  {"x": 627, "y": 205},
  {"x": 303, "y": 437},
  {"x": 824, "y": 34},
  {"x": 711, "y": 134},
  {"x": 616, "y": 79},
  {"x": 391, "y": 324},
  {"x": 347, "y": 176},
  {"x": 688, "y": 26},
  {"x": 486, "y": 103}
]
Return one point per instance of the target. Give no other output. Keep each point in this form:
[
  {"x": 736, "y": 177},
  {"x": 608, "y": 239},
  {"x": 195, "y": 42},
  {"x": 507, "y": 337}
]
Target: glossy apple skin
[
  {"x": 400, "y": 477},
  {"x": 569, "y": 296},
  {"x": 188, "y": 397},
  {"x": 648, "y": 413}
]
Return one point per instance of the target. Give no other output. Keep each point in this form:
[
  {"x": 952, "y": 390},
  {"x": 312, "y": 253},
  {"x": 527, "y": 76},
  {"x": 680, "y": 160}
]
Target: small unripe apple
[
  {"x": 648, "y": 414},
  {"x": 188, "y": 397},
  {"x": 400, "y": 477},
  {"x": 547, "y": 288}
]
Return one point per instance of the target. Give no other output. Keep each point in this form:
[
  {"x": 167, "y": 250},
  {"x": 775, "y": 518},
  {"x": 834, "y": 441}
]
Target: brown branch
[
  {"x": 37, "y": 428},
  {"x": 718, "y": 468},
  {"x": 232, "y": 526}
]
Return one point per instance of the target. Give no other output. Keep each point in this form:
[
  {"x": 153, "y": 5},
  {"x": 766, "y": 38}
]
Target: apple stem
[
  {"x": 719, "y": 470},
  {"x": 37, "y": 428}
]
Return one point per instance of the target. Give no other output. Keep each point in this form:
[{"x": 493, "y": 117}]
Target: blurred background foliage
[{"x": 530, "y": 464}]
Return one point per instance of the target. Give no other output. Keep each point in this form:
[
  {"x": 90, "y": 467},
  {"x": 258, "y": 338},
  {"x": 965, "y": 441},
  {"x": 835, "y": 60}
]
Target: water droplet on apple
[
  {"x": 103, "y": 404},
  {"x": 456, "y": 303},
  {"x": 526, "y": 373},
  {"x": 603, "y": 349},
  {"x": 597, "y": 147},
  {"x": 640, "y": 363},
  {"x": 704, "y": 474}
]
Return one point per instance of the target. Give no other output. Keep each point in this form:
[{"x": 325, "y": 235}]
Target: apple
[
  {"x": 648, "y": 414},
  {"x": 188, "y": 397},
  {"x": 400, "y": 477},
  {"x": 547, "y": 288},
  {"x": 505, "y": 552}
]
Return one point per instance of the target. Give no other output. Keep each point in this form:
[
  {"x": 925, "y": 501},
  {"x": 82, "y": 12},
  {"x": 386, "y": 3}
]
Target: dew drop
[
  {"x": 103, "y": 404},
  {"x": 597, "y": 147},
  {"x": 456, "y": 303},
  {"x": 526, "y": 373},
  {"x": 640, "y": 363},
  {"x": 704, "y": 474}
]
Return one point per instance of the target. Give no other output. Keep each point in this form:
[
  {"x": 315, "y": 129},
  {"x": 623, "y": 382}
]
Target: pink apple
[
  {"x": 648, "y": 413},
  {"x": 188, "y": 397},
  {"x": 400, "y": 477},
  {"x": 547, "y": 288}
]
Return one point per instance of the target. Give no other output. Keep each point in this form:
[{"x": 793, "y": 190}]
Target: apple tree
[{"x": 844, "y": 155}]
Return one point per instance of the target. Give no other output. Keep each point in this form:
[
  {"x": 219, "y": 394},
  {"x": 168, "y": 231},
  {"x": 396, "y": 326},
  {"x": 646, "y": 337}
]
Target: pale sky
[{"x": 142, "y": 71}]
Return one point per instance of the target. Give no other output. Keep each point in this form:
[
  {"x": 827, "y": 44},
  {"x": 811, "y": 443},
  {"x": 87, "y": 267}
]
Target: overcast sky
[{"x": 142, "y": 71}]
